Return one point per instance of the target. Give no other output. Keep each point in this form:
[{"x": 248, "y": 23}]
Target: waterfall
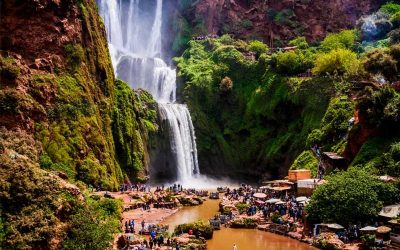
[{"x": 135, "y": 43}]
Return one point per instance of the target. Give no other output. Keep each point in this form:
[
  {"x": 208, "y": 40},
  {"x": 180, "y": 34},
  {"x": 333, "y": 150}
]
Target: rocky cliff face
[
  {"x": 57, "y": 85},
  {"x": 276, "y": 21}
]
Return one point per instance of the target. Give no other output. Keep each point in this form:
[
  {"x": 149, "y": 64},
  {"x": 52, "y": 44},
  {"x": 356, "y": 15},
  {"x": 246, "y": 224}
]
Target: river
[{"x": 245, "y": 239}]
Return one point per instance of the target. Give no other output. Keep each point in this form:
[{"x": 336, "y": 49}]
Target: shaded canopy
[
  {"x": 383, "y": 230},
  {"x": 335, "y": 226},
  {"x": 301, "y": 198},
  {"x": 368, "y": 228},
  {"x": 273, "y": 200},
  {"x": 260, "y": 195}
]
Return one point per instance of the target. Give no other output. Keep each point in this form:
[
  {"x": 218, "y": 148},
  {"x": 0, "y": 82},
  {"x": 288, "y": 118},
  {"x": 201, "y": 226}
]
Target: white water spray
[{"x": 135, "y": 42}]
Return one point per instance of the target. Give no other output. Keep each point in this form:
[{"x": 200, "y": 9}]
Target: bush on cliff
[
  {"x": 8, "y": 68},
  {"x": 334, "y": 125},
  {"x": 92, "y": 226},
  {"x": 306, "y": 160},
  {"x": 381, "y": 109},
  {"x": 257, "y": 47},
  {"x": 342, "y": 40},
  {"x": 337, "y": 62},
  {"x": 390, "y": 8},
  {"x": 294, "y": 62},
  {"x": 379, "y": 61},
  {"x": 226, "y": 84}
]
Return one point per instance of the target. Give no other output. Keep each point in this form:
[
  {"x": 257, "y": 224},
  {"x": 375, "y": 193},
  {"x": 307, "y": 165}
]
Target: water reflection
[
  {"x": 251, "y": 239},
  {"x": 245, "y": 239}
]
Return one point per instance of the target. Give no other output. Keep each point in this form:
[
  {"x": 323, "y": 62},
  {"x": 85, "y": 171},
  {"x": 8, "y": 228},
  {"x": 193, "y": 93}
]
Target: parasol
[
  {"x": 368, "y": 228},
  {"x": 260, "y": 195},
  {"x": 383, "y": 230}
]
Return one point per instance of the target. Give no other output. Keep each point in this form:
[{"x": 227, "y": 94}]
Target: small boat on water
[
  {"x": 214, "y": 195},
  {"x": 215, "y": 223}
]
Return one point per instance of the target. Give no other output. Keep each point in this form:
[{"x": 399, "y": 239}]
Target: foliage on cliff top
[
  {"x": 337, "y": 62},
  {"x": 343, "y": 40},
  {"x": 390, "y": 8}
]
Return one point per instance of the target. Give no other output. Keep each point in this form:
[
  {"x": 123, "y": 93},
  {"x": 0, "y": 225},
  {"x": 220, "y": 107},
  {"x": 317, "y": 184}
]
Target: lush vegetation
[
  {"x": 290, "y": 99},
  {"x": 134, "y": 116},
  {"x": 334, "y": 125},
  {"x": 351, "y": 196},
  {"x": 93, "y": 225},
  {"x": 306, "y": 160},
  {"x": 38, "y": 208},
  {"x": 63, "y": 134},
  {"x": 205, "y": 229},
  {"x": 264, "y": 118}
]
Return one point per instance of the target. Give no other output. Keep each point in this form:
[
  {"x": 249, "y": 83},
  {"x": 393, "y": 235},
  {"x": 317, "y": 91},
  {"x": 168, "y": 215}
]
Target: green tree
[
  {"x": 294, "y": 62},
  {"x": 381, "y": 108},
  {"x": 337, "y": 62},
  {"x": 380, "y": 61},
  {"x": 390, "y": 8},
  {"x": 257, "y": 47},
  {"x": 299, "y": 42},
  {"x": 89, "y": 232},
  {"x": 350, "y": 196},
  {"x": 342, "y": 40}
]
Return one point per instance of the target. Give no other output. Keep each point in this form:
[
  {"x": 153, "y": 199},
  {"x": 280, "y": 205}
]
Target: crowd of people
[
  {"x": 287, "y": 206},
  {"x": 134, "y": 187}
]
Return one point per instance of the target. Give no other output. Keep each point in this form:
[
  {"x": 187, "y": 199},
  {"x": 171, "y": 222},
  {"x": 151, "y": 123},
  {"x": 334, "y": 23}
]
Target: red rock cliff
[{"x": 274, "y": 20}]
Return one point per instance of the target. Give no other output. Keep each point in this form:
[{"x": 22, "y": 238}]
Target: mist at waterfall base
[{"x": 135, "y": 33}]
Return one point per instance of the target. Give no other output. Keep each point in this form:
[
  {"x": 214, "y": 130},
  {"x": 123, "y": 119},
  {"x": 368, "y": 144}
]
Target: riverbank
[
  {"x": 279, "y": 218},
  {"x": 253, "y": 231},
  {"x": 146, "y": 211}
]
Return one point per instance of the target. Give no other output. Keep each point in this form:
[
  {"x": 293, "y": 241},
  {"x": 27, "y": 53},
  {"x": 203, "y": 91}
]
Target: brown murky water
[
  {"x": 245, "y": 239},
  {"x": 191, "y": 214},
  {"x": 253, "y": 239}
]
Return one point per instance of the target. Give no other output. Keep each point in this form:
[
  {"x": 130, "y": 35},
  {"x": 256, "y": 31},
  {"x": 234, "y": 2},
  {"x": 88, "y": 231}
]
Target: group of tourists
[
  {"x": 134, "y": 187},
  {"x": 293, "y": 209},
  {"x": 287, "y": 205},
  {"x": 130, "y": 226},
  {"x": 321, "y": 168},
  {"x": 202, "y": 38}
]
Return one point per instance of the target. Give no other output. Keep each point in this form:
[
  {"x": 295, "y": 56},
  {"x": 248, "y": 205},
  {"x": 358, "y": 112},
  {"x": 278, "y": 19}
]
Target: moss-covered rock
[
  {"x": 9, "y": 69},
  {"x": 306, "y": 160},
  {"x": 134, "y": 117},
  {"x": 58, "y": 105},
  {"x": 206, "y": 230}
]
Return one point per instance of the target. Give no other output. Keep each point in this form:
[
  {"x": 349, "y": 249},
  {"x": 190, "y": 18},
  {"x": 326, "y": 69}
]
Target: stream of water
[{"x": 245, "y": 239}]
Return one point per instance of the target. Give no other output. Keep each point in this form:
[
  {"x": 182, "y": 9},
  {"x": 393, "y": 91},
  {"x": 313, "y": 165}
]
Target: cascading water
[{"x": 135, "y": 42}]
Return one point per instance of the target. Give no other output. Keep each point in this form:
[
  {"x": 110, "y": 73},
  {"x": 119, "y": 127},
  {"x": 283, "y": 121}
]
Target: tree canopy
[{"x": 349, "y": 197}]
